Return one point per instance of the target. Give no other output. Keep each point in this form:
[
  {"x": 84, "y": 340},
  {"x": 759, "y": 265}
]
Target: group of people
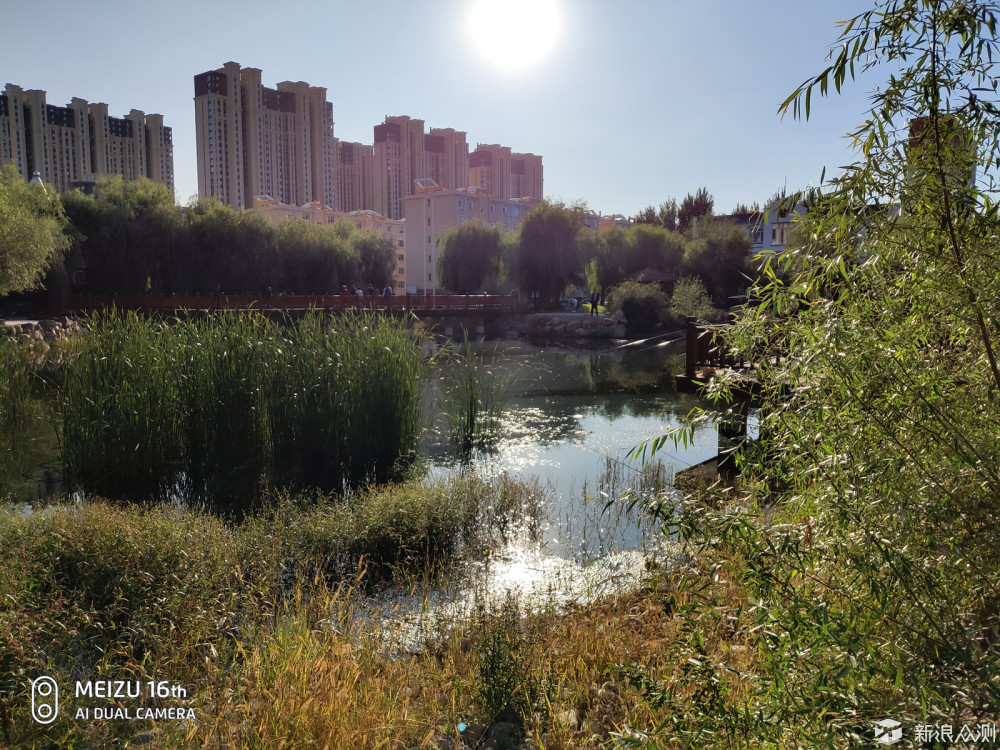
[{"x": 359, "y": 292}]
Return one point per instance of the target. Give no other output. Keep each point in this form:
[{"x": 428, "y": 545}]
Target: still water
[{"x": 572, "y": 417}]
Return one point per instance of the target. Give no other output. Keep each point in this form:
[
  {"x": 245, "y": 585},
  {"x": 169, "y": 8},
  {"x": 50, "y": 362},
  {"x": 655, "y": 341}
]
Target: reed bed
[
  {"x": 214, "y": 410},
  {"x": 15, "y": 411}
]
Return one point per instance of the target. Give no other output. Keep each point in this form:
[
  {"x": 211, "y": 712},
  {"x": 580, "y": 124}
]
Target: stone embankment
[
  {"x": 569, "y": 326},
  {"x": 41, "y": 330}
]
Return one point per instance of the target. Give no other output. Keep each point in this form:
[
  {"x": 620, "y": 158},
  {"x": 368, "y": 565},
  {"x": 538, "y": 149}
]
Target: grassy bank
[{"x": 105, "y": 591}]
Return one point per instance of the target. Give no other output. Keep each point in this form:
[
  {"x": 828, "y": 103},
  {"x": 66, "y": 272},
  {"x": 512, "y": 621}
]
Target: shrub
[{"x": 645, "y": 305}]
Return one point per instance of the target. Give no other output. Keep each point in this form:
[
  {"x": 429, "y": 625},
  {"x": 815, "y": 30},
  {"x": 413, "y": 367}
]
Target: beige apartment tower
[
  {"x": 255, "y": 141},
  {"x": 76, "y": 145},
  {"x": 354, "y": 177},
  {"x": 398, "y": 161}
]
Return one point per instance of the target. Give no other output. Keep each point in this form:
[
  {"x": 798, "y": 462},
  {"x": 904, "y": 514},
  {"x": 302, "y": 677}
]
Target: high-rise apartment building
[
  {"x": 446, "y": 154},
  {"x": 398, "y": 161},
  {"x": 354, "y": 177},
  {"x": 505, "y": 174},
  {"x": 489, "y": 169},
  {"x": 254, "y": 141},
  {"x": 526, "y": 176},
  {"x": 76, "y": 145}
]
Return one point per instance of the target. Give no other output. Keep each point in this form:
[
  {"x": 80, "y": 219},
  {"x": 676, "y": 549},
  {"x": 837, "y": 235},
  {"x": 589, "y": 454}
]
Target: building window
[{"x": 400, "y": 257}]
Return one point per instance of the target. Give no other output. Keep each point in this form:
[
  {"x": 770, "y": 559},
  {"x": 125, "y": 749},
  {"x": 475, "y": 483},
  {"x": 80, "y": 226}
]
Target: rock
[
  {"x": 506, "y": 734},
  {"x": 513, "y": 334},
  {"x": 473, "y": 733}
]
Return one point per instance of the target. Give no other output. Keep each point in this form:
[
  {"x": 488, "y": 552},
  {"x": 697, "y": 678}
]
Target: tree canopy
[
  {"x": 470, "y": 254},
  {"x": 549, "y": 249},
  {"x": 31, "y": 232}
]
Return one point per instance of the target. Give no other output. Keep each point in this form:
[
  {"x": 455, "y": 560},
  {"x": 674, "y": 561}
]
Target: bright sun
[{"x": 514, "y": 34}]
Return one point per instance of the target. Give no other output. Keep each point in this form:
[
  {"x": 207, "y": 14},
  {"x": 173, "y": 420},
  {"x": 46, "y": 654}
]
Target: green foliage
[
  {"x": 31, "y": 232},
  {"x": 690, "y": 298},
  {"x": 132, "y": 238},
  {"x": 377, "y": 258},
  {"x": 501, "y": 654},
  {"x": 865, "y": 544},
  {"x": 619, "y": 254},
  {"x": 644, "y": 305},
  {"x": 16, "y": 411},
  {"x": 720, "y": 257},
  {"x": 694, "y": 207},
  {"x": 215, "y": 410},
  {"x": 549, "y": 249},
  {"x": 470, "y": 255},
  {"x": 666, "y": 216}
]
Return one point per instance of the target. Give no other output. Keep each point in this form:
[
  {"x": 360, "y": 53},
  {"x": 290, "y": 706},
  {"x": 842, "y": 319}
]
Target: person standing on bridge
[
  {"x": 387, "y": 292},
  {"x": 595, "y": 298}
]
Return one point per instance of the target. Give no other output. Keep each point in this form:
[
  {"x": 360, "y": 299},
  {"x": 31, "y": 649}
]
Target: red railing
[{"x": 421, "y": 304}]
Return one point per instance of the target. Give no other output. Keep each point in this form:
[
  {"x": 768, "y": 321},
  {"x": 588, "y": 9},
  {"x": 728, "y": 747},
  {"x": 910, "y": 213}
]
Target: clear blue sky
[{"x": 635, "y": 102}]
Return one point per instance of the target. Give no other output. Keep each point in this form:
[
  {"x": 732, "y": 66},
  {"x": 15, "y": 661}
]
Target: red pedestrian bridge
[{"x": 421, "y": 305}]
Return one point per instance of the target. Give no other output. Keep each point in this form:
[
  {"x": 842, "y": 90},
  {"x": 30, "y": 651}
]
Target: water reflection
[{"x": 572, "y": 418}]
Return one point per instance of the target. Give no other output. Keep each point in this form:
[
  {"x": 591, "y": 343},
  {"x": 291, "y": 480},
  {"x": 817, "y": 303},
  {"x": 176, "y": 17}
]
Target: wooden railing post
[{"x": 692, "y": 346}]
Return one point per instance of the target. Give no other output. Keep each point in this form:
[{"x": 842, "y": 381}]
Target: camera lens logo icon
[{"x": 44, "y": 700}]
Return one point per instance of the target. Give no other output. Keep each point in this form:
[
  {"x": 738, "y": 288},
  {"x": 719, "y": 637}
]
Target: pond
[{"x": 572, "y": 416}]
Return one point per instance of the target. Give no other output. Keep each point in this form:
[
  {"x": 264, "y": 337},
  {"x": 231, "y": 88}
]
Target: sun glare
[{"x": 514, "y": 34}]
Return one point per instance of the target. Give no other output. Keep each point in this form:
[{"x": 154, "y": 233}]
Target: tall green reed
[
  {"x": 15, "y": 411},
  {"x": 474, "y": 401},
  {"x": 217, "y": 409}
]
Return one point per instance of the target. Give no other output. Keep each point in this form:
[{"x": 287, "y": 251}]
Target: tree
[
  {"x": 665, "y": 216},
  {"x": 690, "y": 299},
  {"x": 377, "y": 258},
  {"x": 31, "y": 232},
  {"x": 470, "y": 254},
  {"x": 549, "y": 251},
  {"x": 720, "y": 257},
  {"x": 694, "y": 207},
  {"x": 127, "y": 233},
  {"x": 866, "y": 531}
]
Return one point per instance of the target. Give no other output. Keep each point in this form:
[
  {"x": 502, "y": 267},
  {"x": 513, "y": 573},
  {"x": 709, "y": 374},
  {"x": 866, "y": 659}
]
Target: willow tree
[
  {"x": 866, "y": 533},
  {"x": 31, "y": 231}
]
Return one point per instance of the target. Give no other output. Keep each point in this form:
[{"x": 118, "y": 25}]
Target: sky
[{"x": 629, "y": 103}]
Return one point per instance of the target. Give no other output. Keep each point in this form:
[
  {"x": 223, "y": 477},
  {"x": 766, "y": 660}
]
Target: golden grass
[{"x": 323, "y": 683}]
